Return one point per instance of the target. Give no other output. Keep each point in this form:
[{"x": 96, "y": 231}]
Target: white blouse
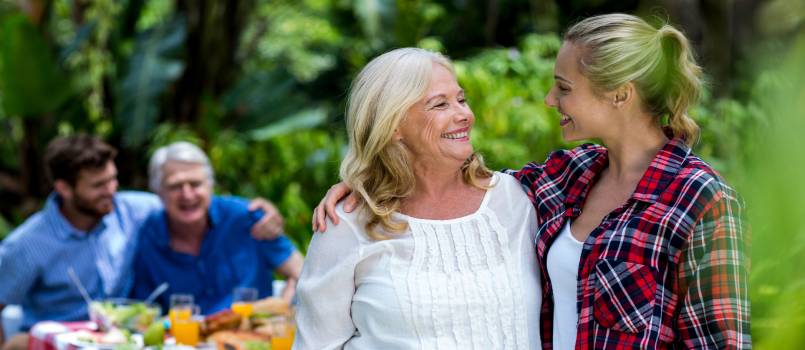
[{"x": 465, "y": 283}]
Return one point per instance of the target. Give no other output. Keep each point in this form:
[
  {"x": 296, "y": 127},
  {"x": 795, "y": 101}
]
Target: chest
[
  {"x": 460, "y": 285},
  {"x": 450, "y": 205},
  {"x": 603, "y": 198},
  {"x": 652, "y": 234},
  {"x": 54, "y": 283},
  {"x": 190, "y": 246}
]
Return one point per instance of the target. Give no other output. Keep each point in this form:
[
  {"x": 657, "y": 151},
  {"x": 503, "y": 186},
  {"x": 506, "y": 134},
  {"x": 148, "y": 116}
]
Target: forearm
[
  {"x": 291, "y": 270},
  {"x": 290, "y": 290}
]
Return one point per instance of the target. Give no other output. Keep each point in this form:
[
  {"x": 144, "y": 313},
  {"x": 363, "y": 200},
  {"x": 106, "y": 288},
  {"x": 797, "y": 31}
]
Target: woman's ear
[
  {"x": 623, "y": 95},
  {"x": 397, "y": 135}
]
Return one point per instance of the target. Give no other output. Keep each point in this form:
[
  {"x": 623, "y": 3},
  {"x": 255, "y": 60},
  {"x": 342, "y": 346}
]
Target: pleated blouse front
[{"x": 465, "y": 283}]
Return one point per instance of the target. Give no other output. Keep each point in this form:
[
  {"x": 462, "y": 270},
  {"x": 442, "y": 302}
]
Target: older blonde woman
[{"x": 440, "y": 254}]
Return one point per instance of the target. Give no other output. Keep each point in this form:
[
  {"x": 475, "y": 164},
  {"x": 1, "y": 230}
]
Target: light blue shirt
[{"x": 35, "y": 258}]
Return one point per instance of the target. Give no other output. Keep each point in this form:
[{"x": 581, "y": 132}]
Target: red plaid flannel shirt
[{"x": 667, "y": 270}]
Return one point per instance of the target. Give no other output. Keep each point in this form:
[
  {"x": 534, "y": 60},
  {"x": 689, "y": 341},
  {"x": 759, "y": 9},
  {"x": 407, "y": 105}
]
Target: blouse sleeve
[
  {"x": 326, "y": 287},
  {"x": 715, "y": 310}
]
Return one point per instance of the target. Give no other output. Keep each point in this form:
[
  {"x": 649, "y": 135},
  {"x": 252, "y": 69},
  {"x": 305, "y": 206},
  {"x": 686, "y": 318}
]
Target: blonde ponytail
[
  {"x": 620, "y": 48},
  {"x": 684, "y": 83}
]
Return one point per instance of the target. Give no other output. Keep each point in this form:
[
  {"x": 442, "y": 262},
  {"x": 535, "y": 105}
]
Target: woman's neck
[
  {"x": 436, "y": 181},
  {"x": 631, "y": 152},
  {"x": 441, "y": 193}
]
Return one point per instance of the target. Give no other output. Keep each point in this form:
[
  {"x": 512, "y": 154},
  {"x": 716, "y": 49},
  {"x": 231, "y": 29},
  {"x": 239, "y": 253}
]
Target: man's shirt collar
[{"x": 66, "y": 230}]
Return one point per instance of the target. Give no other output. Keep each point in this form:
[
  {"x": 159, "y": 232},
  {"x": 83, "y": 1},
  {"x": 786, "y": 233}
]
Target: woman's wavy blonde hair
[
  {"x": 620, "y": 48},
  {"x": 376, "y": 166}
]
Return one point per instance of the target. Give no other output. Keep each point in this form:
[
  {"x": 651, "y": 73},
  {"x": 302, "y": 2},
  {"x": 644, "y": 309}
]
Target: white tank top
[{"x": 564, "y": 257}]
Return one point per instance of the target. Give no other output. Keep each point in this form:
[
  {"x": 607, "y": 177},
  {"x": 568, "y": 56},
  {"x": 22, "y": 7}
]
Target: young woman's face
[
  {"x": 437, "y": 128},
  {"x": 583, "y": 112}
]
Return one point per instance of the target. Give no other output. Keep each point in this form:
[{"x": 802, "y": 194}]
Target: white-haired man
[{"x": 200, "y": 243}]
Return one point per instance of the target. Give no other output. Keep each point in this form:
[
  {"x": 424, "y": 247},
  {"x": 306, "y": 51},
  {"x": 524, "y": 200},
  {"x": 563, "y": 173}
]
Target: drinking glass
[
  {"x": 186, "y": 331},
  {"x": 181, "y": 308},
  {"x": 283, "y": 330},
  {"x": 242, "y": 300}
]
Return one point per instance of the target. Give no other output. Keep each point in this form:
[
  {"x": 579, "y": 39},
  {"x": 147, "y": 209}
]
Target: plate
[{"x": 82, "y": 340}]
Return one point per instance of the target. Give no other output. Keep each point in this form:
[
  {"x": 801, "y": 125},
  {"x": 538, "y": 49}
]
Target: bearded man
[{"x": 86, "y": 226}]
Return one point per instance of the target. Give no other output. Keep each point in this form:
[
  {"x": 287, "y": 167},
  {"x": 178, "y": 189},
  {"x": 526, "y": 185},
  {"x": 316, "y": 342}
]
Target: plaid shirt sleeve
[
  {"x": 714, "y": 313},
  {"x": 527, "y": 176}
]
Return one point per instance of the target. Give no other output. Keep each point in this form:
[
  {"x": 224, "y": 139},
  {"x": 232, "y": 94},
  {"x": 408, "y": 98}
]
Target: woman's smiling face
[
  {"x": 583, "y": 111},
  {"x": 437, "y": 128}
]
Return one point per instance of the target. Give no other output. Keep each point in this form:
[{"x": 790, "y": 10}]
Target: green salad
[{"x": 123, "y": 313}]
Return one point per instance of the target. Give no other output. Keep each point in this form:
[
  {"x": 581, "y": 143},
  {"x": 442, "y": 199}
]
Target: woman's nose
[{"x": 550, "y": 98}]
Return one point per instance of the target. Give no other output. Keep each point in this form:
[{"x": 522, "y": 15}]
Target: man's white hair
[{"x": 181, "y": 151}]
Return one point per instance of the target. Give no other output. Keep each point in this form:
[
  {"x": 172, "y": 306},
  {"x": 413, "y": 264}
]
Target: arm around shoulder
[{"x": 326, "y": 287}]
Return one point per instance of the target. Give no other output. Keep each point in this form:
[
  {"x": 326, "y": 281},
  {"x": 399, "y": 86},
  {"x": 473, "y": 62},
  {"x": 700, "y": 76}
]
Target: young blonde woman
[
  {"x": 640, "y": 243},
  {"x": 440, "y": 255}
]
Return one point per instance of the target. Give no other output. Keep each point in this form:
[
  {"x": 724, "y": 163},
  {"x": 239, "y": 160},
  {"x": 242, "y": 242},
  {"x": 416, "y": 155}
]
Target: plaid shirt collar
[{"x": 662, "y": 170}]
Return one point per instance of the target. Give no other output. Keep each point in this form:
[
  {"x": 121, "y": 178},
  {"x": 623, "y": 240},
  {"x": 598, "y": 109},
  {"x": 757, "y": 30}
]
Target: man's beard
[{"x": 87, "y": 207}]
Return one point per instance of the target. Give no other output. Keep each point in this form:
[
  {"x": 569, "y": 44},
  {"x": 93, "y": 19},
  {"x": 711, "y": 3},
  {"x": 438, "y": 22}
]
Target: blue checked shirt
[{"x": 35, "y": 258}]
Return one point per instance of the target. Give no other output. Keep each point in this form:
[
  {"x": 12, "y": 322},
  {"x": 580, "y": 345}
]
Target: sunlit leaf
[{"x": 303, "y": 120}]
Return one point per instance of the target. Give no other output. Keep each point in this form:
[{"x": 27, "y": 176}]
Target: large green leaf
[
  {"x": 306, "y": 119},
  {"x": 151, "y": 69},
  {"x": 263, "y": 97},
  {"x": 31, "y": 80}
]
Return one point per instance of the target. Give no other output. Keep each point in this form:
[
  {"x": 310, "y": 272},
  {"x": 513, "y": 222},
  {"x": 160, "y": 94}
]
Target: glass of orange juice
[
  {"x": 186, "y": 331},
  {"x": 283, "y": 330},
  {"x": 181, "y": 308},
  {"x": 243, "y": 299}
]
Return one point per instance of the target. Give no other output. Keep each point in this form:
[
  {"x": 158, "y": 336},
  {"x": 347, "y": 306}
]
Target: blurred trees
[{"x": 260, "y": 85}]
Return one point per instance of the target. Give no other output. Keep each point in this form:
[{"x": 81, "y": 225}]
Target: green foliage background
[{"x": 271, "y": 115}]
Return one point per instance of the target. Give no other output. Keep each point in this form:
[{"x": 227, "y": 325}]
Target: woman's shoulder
[
  {"x": 504, "y": 182},
  {"x": 348, "y": 230},
  {"x": 699, "y": 178},
  {"x": 508, "y": 191},
  {"x": 338, "y": 245}
]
